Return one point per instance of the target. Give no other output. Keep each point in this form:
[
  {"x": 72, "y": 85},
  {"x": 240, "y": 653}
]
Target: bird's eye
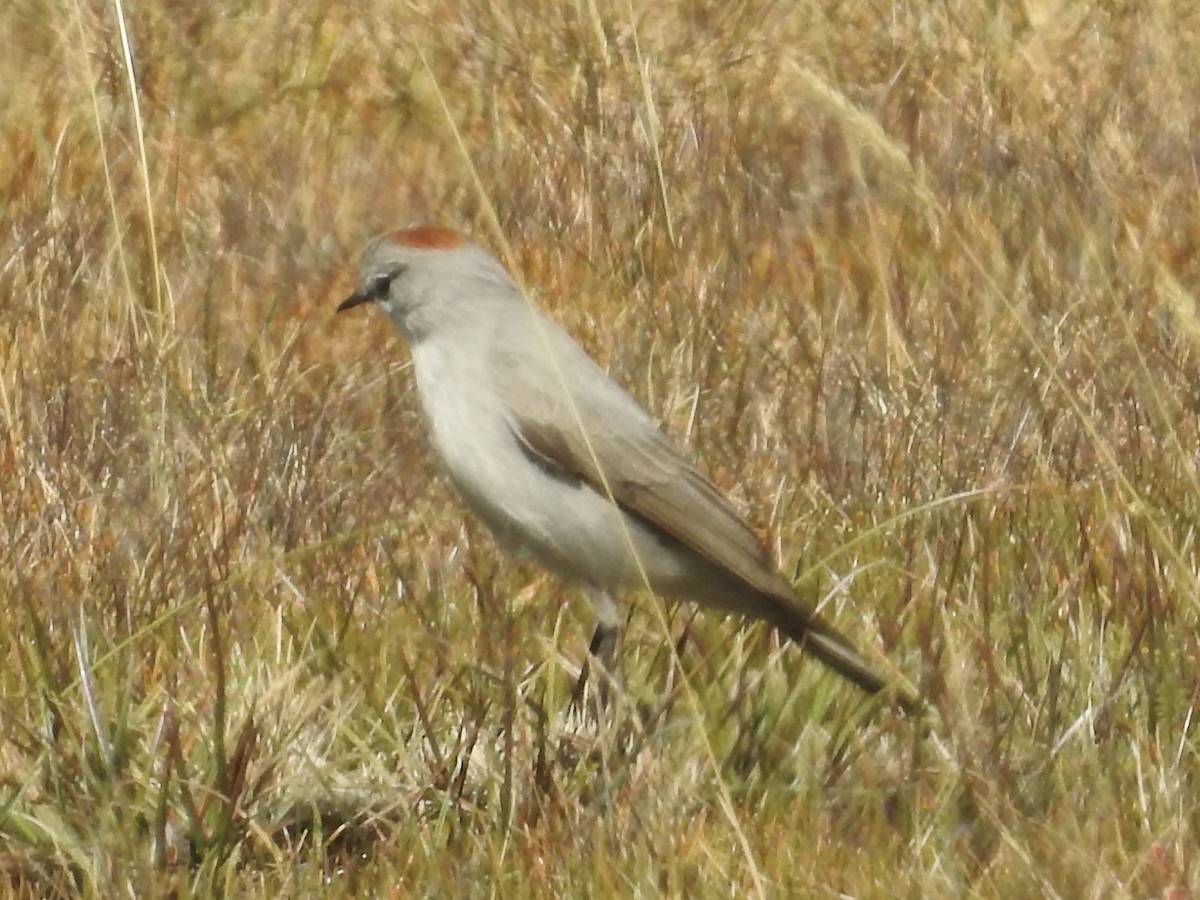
[
  {"x": 382, "y": 283},
  {"x": 379, "y": 286}
]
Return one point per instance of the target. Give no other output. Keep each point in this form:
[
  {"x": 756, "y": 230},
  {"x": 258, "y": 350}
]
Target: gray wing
[
  {"x": 625, "y": 455},
  {"x": 625, "y": 452}
]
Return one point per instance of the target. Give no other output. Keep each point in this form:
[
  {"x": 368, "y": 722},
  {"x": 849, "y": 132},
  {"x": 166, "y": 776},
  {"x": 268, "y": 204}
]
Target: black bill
[{"x": 356, "y": 299}]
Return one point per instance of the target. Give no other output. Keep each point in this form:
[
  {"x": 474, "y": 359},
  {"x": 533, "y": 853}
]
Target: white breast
[{"x": 564, "y": 524}]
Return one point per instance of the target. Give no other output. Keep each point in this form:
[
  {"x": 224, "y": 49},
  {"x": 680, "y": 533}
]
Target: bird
[{"x": 563, "y": 465}]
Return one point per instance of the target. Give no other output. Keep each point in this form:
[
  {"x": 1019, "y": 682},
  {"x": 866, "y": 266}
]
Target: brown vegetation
[{"x": 918, "y": 283}]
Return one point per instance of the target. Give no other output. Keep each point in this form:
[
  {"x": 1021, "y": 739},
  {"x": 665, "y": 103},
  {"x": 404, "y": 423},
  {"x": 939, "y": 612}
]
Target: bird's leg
[{"x": 604, "y": 649}]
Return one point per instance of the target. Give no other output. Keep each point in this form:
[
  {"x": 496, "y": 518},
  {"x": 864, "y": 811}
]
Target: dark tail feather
[{"x": 826, "y": 644}]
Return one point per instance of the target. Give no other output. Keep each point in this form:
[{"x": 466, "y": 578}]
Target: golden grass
[{"x": 918, "y": 284}]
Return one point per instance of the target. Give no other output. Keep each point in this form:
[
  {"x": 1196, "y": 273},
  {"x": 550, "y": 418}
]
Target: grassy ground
[{"x": 917, "y": 281}]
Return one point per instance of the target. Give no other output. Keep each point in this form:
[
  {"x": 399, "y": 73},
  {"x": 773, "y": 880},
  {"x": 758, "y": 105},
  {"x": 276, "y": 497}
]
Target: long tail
[{"x": 834, "y": 650}]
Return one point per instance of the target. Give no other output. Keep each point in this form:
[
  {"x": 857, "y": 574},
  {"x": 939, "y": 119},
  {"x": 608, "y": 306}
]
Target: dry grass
[{"x": 918, "y": 282}]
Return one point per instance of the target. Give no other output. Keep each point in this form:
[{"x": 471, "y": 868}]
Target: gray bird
[{"x": 561, "y": 463}]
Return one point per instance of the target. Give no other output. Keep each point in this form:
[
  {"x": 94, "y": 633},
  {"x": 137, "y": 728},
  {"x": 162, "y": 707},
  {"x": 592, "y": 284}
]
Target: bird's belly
[{"x": 560, "y": 521}]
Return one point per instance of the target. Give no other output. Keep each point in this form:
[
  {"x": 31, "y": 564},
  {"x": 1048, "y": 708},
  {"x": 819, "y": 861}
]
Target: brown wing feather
[{"x": 651, "y": 480}]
